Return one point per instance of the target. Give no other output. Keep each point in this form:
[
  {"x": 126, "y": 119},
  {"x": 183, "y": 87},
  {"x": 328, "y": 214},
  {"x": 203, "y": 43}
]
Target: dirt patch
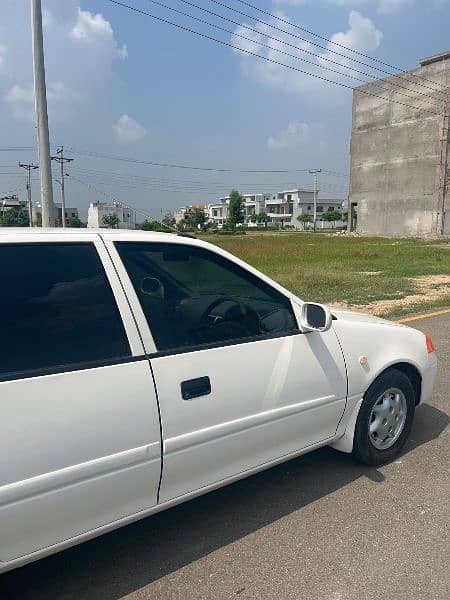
[{"x": 430, "y": 288}]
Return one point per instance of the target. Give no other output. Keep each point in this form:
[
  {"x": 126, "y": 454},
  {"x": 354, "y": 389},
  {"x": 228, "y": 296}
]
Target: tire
[{"x": 385, "y": 419}]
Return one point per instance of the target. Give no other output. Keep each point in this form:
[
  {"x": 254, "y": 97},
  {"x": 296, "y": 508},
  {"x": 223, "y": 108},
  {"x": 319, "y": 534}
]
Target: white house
[
  {"x": 97, "y": 210},
  {"x": 282, "y": 208}
]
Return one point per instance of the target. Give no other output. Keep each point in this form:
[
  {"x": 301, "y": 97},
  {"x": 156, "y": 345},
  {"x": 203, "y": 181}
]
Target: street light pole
[
  {"x": 29, "y": 168},
  {"x": 40, "y": 95},
  {"x": 315, "y": 172},
  {"x": 62, "y": 160}
]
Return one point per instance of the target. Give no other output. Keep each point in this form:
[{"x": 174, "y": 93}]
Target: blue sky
[{"x": 125, "y": 85}]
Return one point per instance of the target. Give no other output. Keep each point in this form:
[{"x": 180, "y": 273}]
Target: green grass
[{"x": 332, "y": 268}]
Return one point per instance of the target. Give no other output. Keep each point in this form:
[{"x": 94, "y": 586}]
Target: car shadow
[{"x": 130, "y": 558}]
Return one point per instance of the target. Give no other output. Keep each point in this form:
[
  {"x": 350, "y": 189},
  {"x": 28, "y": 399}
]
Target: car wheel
[{"x": 385, "y": 419}]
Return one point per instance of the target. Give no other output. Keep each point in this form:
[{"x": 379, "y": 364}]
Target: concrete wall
[{"x": 397, "y": 176}]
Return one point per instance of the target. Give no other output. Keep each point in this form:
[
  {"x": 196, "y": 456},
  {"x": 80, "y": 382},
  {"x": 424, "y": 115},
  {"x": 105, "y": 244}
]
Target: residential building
[
  {"x": 12, "y": 202},
  {"x": 282, "y": 208},
  {"x": 184, "y": 213},
  {"x": 400, "y": 152},
  {"x": 98, "y": 210}
]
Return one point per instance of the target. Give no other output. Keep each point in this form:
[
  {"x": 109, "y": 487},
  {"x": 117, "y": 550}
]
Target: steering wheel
[{"x": 249, "y": 317}]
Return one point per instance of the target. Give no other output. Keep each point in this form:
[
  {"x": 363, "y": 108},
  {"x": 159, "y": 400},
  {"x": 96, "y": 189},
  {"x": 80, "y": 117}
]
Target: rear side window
[{"x": 57, "y": 308}]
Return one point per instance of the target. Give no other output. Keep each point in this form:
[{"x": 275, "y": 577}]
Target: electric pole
[
  {"x": 315, "y": 172},
  {"x": 61, "y": 159},
  {"x": 40, "y": 96},
  {"x": 29, "y": 168}
]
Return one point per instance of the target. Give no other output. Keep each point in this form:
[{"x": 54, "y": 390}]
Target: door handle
[{"x": 194, "y": 388}]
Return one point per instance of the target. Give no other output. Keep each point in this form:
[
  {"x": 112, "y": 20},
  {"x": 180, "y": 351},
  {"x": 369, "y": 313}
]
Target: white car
[{"x": 139, "y": 370}]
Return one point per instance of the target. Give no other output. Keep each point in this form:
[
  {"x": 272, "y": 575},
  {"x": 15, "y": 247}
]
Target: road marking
[{"x": 425, "y": 316}]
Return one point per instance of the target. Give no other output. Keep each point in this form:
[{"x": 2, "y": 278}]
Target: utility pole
[
  {"x": 29, "y": 168},
  {"x": 315, "y": 172},
  {"x": 61, "y": 159},
  {"x": 40, "y": 96}
]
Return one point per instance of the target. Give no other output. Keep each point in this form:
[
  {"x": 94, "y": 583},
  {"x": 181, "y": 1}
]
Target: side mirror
[
  {"x": 315, "y": 317},
  {"x": 151, "y": 286}
]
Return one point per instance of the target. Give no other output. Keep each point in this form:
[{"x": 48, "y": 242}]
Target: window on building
[
  {"x": 192, "y": 297},
  {"x": 309, "y": 207},
  {"x": 320, "y": 209},
  {"x": 289, "y": 197},
  {"x": 57, "y": 308}
]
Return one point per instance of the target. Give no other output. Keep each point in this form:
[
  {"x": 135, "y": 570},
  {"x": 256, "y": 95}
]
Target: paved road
[{"x": 317, "y": 528}]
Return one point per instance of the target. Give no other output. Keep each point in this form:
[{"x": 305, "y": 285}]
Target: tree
[
  {"x": 194, "y": 218},
  {"x": 14, "y": 218},
  {"x": 75, "y": 222},
  {"x": 169, "y": 221},
  {"x": 151, "y": 226},
  {"x": 262, "y": 217},
  {"x": 304, "y": 218},
  {"x": 235, "y": 209},
  {"x": 332, "y": 216},
  {"x": 111, "y": 221}
]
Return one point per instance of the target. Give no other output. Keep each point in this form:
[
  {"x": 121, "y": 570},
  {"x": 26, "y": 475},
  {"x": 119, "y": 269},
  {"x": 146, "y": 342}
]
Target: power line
[
  {"x": 298, "y": 48},
  {"x": 198, "y": 189},
  {"x": 304, "y": 50},
  {"x": 16, "y": 148},
  {"x": 190, "y": 167},
  {"x": 184, "y": 183},
  {"x": 314, "y": 34},
  {"x": 88, "y": 153},
  {"x": 270, "y": 60}
]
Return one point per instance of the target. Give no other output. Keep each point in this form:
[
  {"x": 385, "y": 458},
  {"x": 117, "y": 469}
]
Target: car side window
[
  {"x": 57, "y": 308},
  {"x": 193, "y": 297}
]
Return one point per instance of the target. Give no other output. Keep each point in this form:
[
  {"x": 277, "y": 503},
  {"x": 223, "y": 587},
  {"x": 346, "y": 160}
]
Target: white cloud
[
  {"x": 59, "y": 97},
  {"x": 388, "y": 7},
  {"x": 93, "y": 28},
  {"x": 128, "y": 130},
  {"x": 295, "y": 134},
  {"x": 79, "y": 78},
  {"x": 362, "y": 35},
  {"x": 48, "y": 20}
]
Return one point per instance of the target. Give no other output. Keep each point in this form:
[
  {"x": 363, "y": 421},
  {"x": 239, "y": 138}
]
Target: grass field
[{"x": 409, "y": 275}]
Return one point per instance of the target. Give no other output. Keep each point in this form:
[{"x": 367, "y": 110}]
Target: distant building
[
  {"x": 399, "y": 178},
  {"x": 185, "y": 212},
  {"x": 12, "y": 202},
  {"x": 282, "y": 208},
  {"x": 98, "y": 210}
]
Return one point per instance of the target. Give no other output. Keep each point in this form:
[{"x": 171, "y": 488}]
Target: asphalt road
[{"x": 317, "y": 528}]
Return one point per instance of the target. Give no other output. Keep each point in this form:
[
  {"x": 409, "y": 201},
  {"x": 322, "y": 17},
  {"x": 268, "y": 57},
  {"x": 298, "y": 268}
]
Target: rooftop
[{"x": 434, "y": 59}]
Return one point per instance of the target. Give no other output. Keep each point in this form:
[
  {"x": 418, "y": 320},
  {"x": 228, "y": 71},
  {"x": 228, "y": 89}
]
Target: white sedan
[{"x": 139, "y": 370}]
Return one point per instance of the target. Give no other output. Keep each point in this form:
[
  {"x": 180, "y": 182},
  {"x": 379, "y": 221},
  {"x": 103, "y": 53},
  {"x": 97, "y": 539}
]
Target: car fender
[{"x": 369, "y": 349}]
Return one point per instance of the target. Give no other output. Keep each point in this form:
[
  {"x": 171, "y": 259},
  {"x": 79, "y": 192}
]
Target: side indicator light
[{"x": 430, "y": 345}]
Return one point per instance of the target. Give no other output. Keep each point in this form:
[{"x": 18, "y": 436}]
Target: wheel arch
[
  {"x": 345, "y": 442},
  {"x": 408, "y": 369}
]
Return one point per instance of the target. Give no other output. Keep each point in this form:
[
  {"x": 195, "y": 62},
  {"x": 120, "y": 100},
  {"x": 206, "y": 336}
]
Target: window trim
[
  {"x": 222, "y": 344},
  {"x": 141, "y": 320},
  {"x": 70, "y": 368},
  {"x": 118, "y": 296}
]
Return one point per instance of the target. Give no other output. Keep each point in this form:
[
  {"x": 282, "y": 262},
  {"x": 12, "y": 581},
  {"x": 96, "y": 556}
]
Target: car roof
[{"x": 126, "y": 233}]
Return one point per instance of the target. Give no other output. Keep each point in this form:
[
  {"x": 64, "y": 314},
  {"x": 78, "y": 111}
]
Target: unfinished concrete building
[{"x": 399, "y": 180}]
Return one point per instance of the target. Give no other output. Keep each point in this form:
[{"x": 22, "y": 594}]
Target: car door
[
  {"x": 79, "y": 427},
  {"x": 238, "y": 384}
]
